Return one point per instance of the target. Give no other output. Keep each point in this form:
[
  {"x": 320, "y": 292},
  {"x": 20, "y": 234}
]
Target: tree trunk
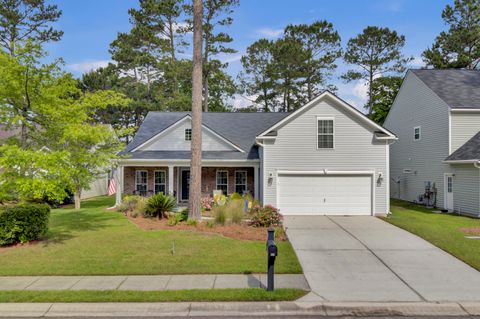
[
  {"x": 172, "y": 57},
  {"x": 370, "y": 89},
  {"x": 205, "y": 75},
  {"x": 205, "y": 98},
  {"x": 77, "y": 197},
  {"x": 194, "y": 211}
]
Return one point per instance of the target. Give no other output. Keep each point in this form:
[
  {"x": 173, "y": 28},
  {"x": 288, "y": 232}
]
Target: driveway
[{"x": 366, "y": 259}]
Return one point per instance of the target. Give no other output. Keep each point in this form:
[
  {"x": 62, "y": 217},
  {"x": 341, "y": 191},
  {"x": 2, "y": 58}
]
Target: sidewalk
[
  {"x": 231, "y": 309},
  {"x": 150, "y": 283}
]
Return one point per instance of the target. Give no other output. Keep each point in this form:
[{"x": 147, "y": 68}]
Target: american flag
[{"x": 112, "y": 189}]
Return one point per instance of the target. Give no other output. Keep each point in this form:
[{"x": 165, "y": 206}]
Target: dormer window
[
  {"x": 188, "y": 134},
  {"x": 325, "y": 133},
  {"x": 417, "y": 134}
]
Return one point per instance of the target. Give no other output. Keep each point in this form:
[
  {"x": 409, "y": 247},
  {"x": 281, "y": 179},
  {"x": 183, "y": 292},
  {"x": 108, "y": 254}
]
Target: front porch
[{"x": 147, "y": 179}]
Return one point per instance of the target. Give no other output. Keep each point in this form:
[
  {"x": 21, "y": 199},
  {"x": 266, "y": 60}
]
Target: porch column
[
  {"x": 170, "y": 179},
  {"x": 119, "y": 185},
  {"x": 256, "y": 181}
]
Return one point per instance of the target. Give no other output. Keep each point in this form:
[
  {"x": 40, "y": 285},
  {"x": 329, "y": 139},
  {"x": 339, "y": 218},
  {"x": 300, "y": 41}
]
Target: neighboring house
[
  {"x": 325, "y": 158},
  {"x": 436, "y": 116}
]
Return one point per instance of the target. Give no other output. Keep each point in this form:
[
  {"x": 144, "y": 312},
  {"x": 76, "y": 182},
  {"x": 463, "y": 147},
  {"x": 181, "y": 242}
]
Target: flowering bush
[
  {"x": 265, "y": 216},
  {"x": 207, "y": 203}
]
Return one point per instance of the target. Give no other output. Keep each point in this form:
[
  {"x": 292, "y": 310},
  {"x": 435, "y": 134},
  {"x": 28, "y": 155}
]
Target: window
[
  {"x": 325, "y": 133},
  {"x": 416, "y": 133},
  {"x": 240, "y": 182},
  {"x": 159, "y": 182},
  {"x": 141, "y": 178},
  {"x": 449, "y": 184},
  {"x": 222, "y": 181},
  {"x": 188, "y": 134}
]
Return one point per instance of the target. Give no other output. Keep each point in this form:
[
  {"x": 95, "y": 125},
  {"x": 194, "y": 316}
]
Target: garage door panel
[{"x": 324, "y": 195}]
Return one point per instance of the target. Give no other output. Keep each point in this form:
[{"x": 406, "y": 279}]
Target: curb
[{"x": 215, "y": 309}]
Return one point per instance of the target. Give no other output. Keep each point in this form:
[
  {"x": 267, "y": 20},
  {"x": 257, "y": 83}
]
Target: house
[
  {"x": 324, "y": 158},
  {"x": 436, "y": 116}
]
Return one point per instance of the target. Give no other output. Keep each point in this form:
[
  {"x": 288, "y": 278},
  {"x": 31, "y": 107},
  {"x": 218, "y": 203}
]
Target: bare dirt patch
[
  {"x": 242, "y": 231},
  {"x": 472, "y": 231}
]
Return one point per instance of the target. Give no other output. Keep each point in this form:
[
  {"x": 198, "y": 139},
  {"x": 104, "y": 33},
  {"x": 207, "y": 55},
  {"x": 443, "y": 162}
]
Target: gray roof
[
  {"x": 238, "y": 128},
  {"x": 458, "y": 88},
  {"x": 468, "y": 151},
  {"x": 186, "y": 155}
]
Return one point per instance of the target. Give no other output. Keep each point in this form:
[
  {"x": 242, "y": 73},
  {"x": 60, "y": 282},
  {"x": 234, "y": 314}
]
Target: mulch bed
[
  {"x": 242, "y": 232},
  {"x": 472, "y": 231}
]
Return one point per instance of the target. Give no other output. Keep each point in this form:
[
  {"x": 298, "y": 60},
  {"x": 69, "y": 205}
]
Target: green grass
[
  {"x": 442, "y": 230},
  {"x": 250, "y": 294},
  {"x": 93, "y": 241}
]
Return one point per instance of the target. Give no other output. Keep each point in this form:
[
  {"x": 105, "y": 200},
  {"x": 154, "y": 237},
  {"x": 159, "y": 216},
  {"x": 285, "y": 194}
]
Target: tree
[
  {"x": 194, "y": 203},
  {"x": 384, "y": 91},
  {"x": 258, "y": 76},
  {"x": 22, "y": 20},
  {"x": 322, "y": 48},
  {"x": 375, "y": 52},
  {"x": 221, "y": 88},
  {"x": 459, "y": 47}
]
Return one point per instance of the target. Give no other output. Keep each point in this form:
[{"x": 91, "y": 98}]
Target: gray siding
[
  {"x": 466, "y": 193},
  {"x": 417, "y": 105},
  {"x": 295, "y": 148},
  {"x": 463, "y": 127}
]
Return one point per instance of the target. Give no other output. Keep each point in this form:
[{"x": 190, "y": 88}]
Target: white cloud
[
  {"x": 88, "y": 66},
  {"x": 269, "y": 33},
  {"x": 417, "y": 62},
  {"x": 229, "y": 58},
  {"x": 240, "y": 101}
]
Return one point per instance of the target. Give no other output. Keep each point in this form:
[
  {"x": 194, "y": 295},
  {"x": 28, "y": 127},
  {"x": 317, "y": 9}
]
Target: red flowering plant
[
  {"x": 265, "y": 216},
  {"x": 207, "y": 203}
]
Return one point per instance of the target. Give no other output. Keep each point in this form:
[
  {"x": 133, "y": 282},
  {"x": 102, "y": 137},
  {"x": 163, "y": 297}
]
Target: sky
[{"x": 91, "y": 25}]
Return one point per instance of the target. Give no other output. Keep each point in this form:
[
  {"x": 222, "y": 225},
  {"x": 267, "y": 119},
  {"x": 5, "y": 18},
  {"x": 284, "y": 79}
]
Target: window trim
[
  {"x": 419, "y": 133},
  {"x": 329, "y": 118},
  {"x": 136, "y": 180},
  {"x": 216, "y": 179},
  {"x": 164, "y": 183},
  {"x": 246, "y": 180},
  {"x": 189, "y": 134}
]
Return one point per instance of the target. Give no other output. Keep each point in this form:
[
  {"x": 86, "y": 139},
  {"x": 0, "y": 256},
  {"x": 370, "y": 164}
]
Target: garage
[{"x": 321, "y": 194}]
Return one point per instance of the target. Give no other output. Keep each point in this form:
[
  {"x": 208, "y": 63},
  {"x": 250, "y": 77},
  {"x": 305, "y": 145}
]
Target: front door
[
  {"x": 449, "y": 192},
  {"x": 185, "y": 180}
]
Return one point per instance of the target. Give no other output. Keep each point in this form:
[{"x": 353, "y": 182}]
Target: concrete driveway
[{"x": 367, "y": 259}]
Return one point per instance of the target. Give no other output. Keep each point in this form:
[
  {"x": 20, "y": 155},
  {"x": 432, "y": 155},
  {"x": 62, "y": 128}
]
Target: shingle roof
[
  {"x": 458, "y": 88},
  {"x": 238, "y": 128},
  {"x": 468, "y": 151},
  {"x": 186, "y": 155}
]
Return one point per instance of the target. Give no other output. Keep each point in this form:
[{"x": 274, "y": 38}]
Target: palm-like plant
[{"x": 158, "y": 205}]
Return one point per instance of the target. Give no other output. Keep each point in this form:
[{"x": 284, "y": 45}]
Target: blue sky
[{"x": 91, "y": 25}]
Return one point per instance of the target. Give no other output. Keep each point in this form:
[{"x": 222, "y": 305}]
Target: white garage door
[{"x": 324, "y": 194}]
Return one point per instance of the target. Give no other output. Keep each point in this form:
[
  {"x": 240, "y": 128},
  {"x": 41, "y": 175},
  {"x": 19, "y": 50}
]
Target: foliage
[
  {"x": 140, "y": 208},
  {"x": 266, "y": 216},
  {"x": 207, "y": 203},
  {"x": 235, "y": 211},
  {"x": 219, "y": 214},
  {"x": 375, "y": 52},
  {"x": 220, "y": 199},
  {"x": 183, "y": 215},
  {"x": 172, "y": 220},
  {"x": 384, "y": 91},
  {"x": 235, "y": 196},
  {"x": 158, "y": 205},
  {"x": 26, "y": 19},
  {"x": 23, "y": 223},
  {"x": 129, "y": 203},
  {"x": 459, "y": 47},
  {"x": 192, "y": 222}
]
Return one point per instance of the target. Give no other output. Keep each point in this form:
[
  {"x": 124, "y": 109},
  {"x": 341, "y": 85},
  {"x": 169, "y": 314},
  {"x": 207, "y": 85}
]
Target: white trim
[
  {"x": 170, "y": 179},
  {"x": 342, "y": 103},
  {"x": 419, "y": 133},
  {"x": 462, "y": 161},
  {"x": 326, "y": 118},
  {"x": 235, "y": 179},
  {"x": 164, "y": 183},
  {"x": 185, "y": 161},
  {"x": 146, "y": 182},
  {"x": 180, "y": 171},
  {"x": 387, "y": 177},
  {"x": 256, "y": 182},
  {"x": 445, "y": 191},
  {"x": 465, "y": 110},
  {"x": 449, "y": 133},
  {"x": 174, "y": 125},
  {"x": 216, "y": 179}
]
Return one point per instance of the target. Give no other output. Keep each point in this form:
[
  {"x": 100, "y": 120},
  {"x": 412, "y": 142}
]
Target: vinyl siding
[
  {"x": 463, "y": 127},
  {"x": 466, "y": 192},
  {"x": 174, "y": 140},
  {"x": 295, "y": 148},
  {"x": 417, "y": 105}
]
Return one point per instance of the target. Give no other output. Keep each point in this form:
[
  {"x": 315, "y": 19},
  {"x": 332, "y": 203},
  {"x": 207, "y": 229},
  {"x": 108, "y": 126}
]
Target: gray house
[
  {"x": 436, "y": 116},
  {"x": 324, "y": 158}
]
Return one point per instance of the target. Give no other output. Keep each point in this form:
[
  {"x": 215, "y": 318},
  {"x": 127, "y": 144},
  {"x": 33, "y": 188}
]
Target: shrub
[
  {"x": 172, "y": 220},
  {"x": 210, "y": 223},
  {"x": 158, "y": 205},
  {"x": 192, "y": 222},
  {"x": 220, "y": 199},
  {"x": 183, "y": 215},
  {"x": 265, "y": 216},
  {"x": 235, "y": 211},
  {"x": 129, "y": 203},
  {"x": 235, "y": 196},
  {"x": 219, "y": 215},
  {"x": 140, "y": 207},
  {"x": 207, "y": 203},
  {"x": 23, "y": 223}
]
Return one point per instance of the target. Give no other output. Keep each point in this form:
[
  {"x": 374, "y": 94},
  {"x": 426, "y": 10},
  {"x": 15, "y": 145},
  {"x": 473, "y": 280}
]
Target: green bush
[
  {"x": 172, "y": 220},
  {"x": 235, "y": 211},
  {"x": 265, "y": 216},
  {"x": 183, "y": 215},
  {"x": 140, "y": 207},
  {"x": 129, "y": 203},
  {"x": 219, "y": 214},
  {"x": 23, "y": 223},
  {"x": 158, "y": 205},
  {"x": 235, "y": 196}
]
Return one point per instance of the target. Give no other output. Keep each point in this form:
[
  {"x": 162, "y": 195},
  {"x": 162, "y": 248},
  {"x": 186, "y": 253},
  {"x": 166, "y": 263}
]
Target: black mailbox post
[{"x": 272, "y": 252}]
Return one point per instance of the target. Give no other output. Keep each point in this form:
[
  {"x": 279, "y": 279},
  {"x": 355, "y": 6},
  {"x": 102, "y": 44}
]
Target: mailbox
[{"x": 272, "y": 253}]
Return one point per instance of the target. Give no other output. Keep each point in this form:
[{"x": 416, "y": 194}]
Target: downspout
[{"x": 477, "y": 164}]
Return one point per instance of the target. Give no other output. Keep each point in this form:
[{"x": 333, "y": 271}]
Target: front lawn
[
  {"x": 248, "y": 294},
  {"x": 442, "y": 230},
  {"x": 93, "y": 241}
]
